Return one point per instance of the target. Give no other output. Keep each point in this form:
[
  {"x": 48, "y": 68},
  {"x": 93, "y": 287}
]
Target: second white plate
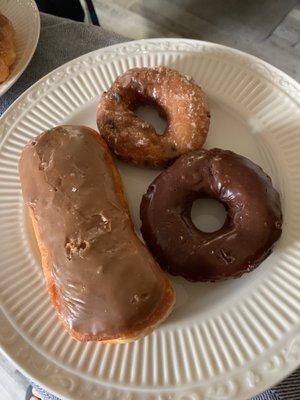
[
  {"x": 25, "y": 17},
  {"x": 224, "y": 341}
]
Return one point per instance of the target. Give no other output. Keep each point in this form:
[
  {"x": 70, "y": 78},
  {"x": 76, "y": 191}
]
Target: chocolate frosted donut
[
  {"x": 178, "y": 99},
  {"x": 252, "y": 226}
]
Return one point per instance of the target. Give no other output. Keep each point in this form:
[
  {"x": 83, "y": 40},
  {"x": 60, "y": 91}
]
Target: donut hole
[
  {"x": 153, "y": 115},
  {"x": 208, "y": 215}
]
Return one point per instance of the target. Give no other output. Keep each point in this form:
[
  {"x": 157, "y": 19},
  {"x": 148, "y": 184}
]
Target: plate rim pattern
[{"x": 279, "y": 363}]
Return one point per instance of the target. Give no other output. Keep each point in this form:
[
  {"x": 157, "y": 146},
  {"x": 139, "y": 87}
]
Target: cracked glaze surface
[{"x": 178, "y": 99}]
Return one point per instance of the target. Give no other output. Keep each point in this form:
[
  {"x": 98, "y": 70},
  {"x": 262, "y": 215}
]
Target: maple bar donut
[
  {"x": 252, "y": 226},
  {"x": 177, "y": 98},
  {"x": 102, "y": 280}
]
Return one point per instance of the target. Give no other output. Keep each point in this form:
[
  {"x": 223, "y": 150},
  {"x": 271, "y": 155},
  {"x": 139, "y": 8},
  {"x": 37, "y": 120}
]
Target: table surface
[{"x": 269, "y": 29}]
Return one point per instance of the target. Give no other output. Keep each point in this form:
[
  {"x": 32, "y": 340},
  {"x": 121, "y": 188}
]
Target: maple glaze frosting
[
  {"x": 178, "y": 99},
  {"x": 103, "y": 281},
  {"x": 252, "y": 226}
]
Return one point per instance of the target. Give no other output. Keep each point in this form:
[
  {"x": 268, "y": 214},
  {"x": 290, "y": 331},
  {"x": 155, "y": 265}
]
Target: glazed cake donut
[
  {"x": 178, "y": 99},
  {"x": 252, "y": 226}
]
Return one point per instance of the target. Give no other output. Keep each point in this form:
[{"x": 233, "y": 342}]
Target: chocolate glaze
[
  {"x": 252, "y": 225},
  {"x": 106, "y": 284}
]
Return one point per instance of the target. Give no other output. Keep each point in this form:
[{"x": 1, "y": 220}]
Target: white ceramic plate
[
  {"x": 224, "y": 341},
  {"x": 25, "y": 18}
]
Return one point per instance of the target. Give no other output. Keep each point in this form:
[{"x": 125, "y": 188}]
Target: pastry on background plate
[{"x": 7, "y": 47}]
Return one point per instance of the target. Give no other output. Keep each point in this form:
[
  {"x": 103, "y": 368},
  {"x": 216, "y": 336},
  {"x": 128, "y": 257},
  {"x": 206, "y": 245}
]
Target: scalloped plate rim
[{"x": 154, "y": 40}]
